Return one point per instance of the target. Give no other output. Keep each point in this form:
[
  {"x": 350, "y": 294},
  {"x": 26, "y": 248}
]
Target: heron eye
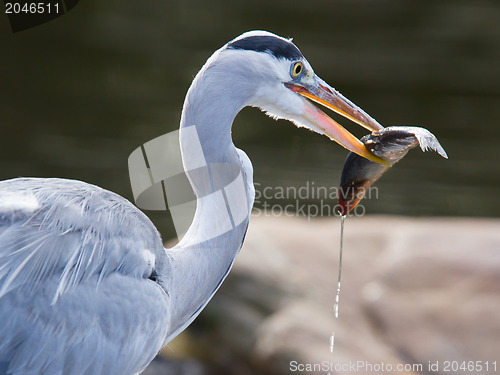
[{"x": 296, "y": 69}]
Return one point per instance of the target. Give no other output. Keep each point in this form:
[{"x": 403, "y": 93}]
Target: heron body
[
  {"x": 86, "y": 286},
  {"x": 76, "y": 266}
]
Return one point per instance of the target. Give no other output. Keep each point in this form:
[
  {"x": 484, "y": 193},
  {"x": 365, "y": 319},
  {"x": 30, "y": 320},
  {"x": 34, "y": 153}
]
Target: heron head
[{"x": 284, "y": 86}]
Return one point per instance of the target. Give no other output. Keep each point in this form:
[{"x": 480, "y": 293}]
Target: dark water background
[{"x": 79, "y": 94}]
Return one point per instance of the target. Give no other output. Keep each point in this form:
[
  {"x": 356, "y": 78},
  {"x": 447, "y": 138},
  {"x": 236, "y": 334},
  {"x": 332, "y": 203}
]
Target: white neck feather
[{"x": 224, "y": 189}]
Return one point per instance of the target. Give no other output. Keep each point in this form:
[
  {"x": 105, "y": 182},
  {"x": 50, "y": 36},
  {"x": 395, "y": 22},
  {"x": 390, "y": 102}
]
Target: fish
[{"x": 390, "y": 144}]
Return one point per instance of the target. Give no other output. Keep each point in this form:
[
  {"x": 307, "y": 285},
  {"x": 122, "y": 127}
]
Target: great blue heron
[{"x": 86, "y": 286}]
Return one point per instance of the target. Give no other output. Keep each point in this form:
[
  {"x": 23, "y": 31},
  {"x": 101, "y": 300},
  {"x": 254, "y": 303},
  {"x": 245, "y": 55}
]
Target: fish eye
[{"x": 297, "y": 69}]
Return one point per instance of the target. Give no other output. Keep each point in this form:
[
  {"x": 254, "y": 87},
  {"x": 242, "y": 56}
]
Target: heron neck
[
  {"x": 222, "y": 184},
  {"x": 211, "y": 105}
]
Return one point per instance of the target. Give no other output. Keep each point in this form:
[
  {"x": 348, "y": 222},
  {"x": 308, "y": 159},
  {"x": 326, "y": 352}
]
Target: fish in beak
[
  {"x": 371, "y": 156},
  {"x": 316, "y": 90},
  {"x": 390, "y": 144}
]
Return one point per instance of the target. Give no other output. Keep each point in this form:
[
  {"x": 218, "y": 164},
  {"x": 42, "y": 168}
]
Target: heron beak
[{"x": 321, "y": 93}]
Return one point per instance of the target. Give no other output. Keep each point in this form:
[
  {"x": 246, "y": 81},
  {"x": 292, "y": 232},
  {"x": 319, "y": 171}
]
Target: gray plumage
[
  {"x": 74, "y": 266},
  {"x": 86, "y": 286}
]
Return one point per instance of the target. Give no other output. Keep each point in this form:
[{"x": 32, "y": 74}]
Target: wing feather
[
  {"x": 74, "y": 292},
  {"x": 69, "y": 229}
]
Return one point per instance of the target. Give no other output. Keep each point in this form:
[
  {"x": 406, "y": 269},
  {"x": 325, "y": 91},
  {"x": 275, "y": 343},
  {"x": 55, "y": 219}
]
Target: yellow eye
[{"x": 296, "y": 69}]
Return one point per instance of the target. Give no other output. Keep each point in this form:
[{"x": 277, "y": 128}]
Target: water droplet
[{"x": 337, "y": 297}]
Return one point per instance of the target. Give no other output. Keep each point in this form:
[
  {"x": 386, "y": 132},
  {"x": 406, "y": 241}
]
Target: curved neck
[
  {"x": 224, "y": 192},
  {"x": 214, "y": 99}
]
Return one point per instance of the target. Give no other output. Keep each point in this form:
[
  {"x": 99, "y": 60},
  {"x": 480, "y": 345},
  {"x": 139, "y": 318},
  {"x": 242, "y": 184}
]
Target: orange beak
[{"x": 321, "y": 93}]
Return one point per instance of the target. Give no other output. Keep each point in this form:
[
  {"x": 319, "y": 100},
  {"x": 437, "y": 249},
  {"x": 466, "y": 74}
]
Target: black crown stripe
[{"x": 279, "y": 48}]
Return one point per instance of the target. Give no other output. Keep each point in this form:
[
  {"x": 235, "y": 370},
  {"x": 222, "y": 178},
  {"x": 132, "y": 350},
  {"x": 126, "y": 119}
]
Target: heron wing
[{"x": 74, "y": 290}]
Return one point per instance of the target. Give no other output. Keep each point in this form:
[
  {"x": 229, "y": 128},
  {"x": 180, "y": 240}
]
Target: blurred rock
[
  {"x": 172, "y": 367},
  {"x": 413, "y": 291}
]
